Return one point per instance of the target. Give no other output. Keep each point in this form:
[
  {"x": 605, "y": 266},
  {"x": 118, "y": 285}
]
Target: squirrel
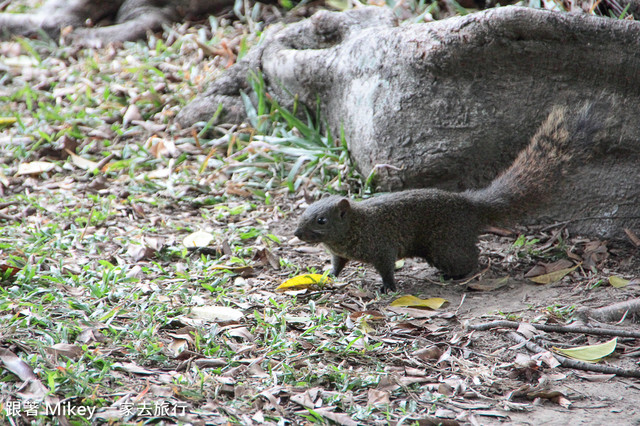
[{"x": 439, "y": 226}]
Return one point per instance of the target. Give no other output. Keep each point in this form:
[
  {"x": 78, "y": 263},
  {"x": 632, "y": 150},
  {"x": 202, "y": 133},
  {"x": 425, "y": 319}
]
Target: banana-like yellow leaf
[
  {"x": 6, "y": 121},
  {"x": 416, "y": 302},
  {"x": 593, "y": 353},
  {"x": 229, "y": 268},
  {"x": 554, "y": 276},
  {"x": 300, "y": 282},
  {"x": 618, "y": 282}
]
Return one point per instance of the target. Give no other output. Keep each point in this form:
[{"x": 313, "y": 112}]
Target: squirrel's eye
[{"x": 322, "y": 220}]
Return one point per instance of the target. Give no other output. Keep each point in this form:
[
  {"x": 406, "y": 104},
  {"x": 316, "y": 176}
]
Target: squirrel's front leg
[{"x": 337, "y": 264}]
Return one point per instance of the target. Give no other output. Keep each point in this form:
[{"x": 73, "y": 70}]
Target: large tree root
[
  {"x": 610, "y": 313},
  {"x": 450, "y": 103}
]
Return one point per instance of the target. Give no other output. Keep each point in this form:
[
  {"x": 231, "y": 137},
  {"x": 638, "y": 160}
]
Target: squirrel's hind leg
[
  {"x": 385, "y": 268},
  {"x": 456, "y": 259}
]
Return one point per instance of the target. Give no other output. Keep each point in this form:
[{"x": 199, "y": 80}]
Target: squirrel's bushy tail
[{"x": 562, "y": 138}]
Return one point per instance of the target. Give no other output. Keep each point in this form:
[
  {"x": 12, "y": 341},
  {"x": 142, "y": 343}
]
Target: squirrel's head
[{"x": 325, "y": 220}]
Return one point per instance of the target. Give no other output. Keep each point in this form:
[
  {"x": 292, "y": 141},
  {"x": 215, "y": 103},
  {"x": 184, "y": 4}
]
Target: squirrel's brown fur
[{"x": 442, "y": 227}]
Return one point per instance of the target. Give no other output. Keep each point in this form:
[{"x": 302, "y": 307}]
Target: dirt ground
[{"x": 595, "y": 399}]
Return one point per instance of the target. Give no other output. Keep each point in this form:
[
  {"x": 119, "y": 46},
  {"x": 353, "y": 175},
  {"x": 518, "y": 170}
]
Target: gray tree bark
[{"x": 450, "y": 103}]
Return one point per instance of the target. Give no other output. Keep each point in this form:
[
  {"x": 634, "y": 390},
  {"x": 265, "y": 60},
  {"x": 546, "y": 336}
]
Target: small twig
[
  {"x": 9, "y": 217},
  {"x": 104, "y": 161},
  {"x": 572, "y": 363},
  {"x": 8, "y": 204},
  {"x": 597, "y": 331},
  {"x": 84, "y": 231},
  {"x": 632, "y": 236}
]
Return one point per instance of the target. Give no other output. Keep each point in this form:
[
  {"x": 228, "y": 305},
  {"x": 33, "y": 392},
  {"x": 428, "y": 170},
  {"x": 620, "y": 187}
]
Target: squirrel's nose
[{"x": 298, "y": 233}]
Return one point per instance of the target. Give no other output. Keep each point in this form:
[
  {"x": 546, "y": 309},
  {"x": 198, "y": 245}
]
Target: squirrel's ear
[{"x": 343, "y": 206}]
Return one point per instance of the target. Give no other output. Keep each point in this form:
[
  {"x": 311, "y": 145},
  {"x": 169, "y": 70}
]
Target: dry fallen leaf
[
  {"x": 591, "y": 353},
  {"x": 618, "y": 282},
  {"x": 429, "y": 353},
  {"x": 89, "y": 335},
  {"x": 132, "y": 113},
  {"x": 177, "y": 346},
  {"x": 632, "y": 236},
  {"x": 548, "y": 358},
  {"x": 216, "y": 313},
  {"x": 130, "y": 367},
  {"x": 197, "y": 239},
  {"x": 34, "y": 168},
  {"x": 138, "y": 252},
  {"x": 553, "y": 276},
  {"x": 161, "y": 173},
  {"x": 378, "y": 397},
  {"x": 159, "y": 147},
  {"x": 301, "y": 282},
  {"x": 17, "y": 366},
  {"x": 8, "y": 270},
  {"x": 65, "y": 349},
  {"x": 527, "y": 330},
  {"x": 416, "y": 302},
  {"x": 562, "y": 401},
  {"x": 81, "y": 162}
]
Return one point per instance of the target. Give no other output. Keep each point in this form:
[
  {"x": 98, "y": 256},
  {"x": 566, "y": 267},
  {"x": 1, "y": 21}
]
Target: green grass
[{"x": 77, "y": 283}]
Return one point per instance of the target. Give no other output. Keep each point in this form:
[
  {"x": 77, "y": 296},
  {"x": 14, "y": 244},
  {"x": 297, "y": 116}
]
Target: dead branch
[
  {"x": 597, "y": 331},
  {"x": 9, "y": 218},
  {"x": 610, "y": 313},
  {"x": 572, "y": 363},
  {"x": 7, "y": 204}
]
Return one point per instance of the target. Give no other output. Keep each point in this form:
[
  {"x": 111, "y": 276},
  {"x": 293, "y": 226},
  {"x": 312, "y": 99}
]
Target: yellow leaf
[
  {"x": 618, "y": 282},
  {"x": 593, "y": 353},
  {"x": 553, "y": 277},
  {"x": 237, "y": 269},
  {"x": 412, "y": 301},
  {"x": 301, "y": 282},
  {"x": 7, "y": 121}
]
